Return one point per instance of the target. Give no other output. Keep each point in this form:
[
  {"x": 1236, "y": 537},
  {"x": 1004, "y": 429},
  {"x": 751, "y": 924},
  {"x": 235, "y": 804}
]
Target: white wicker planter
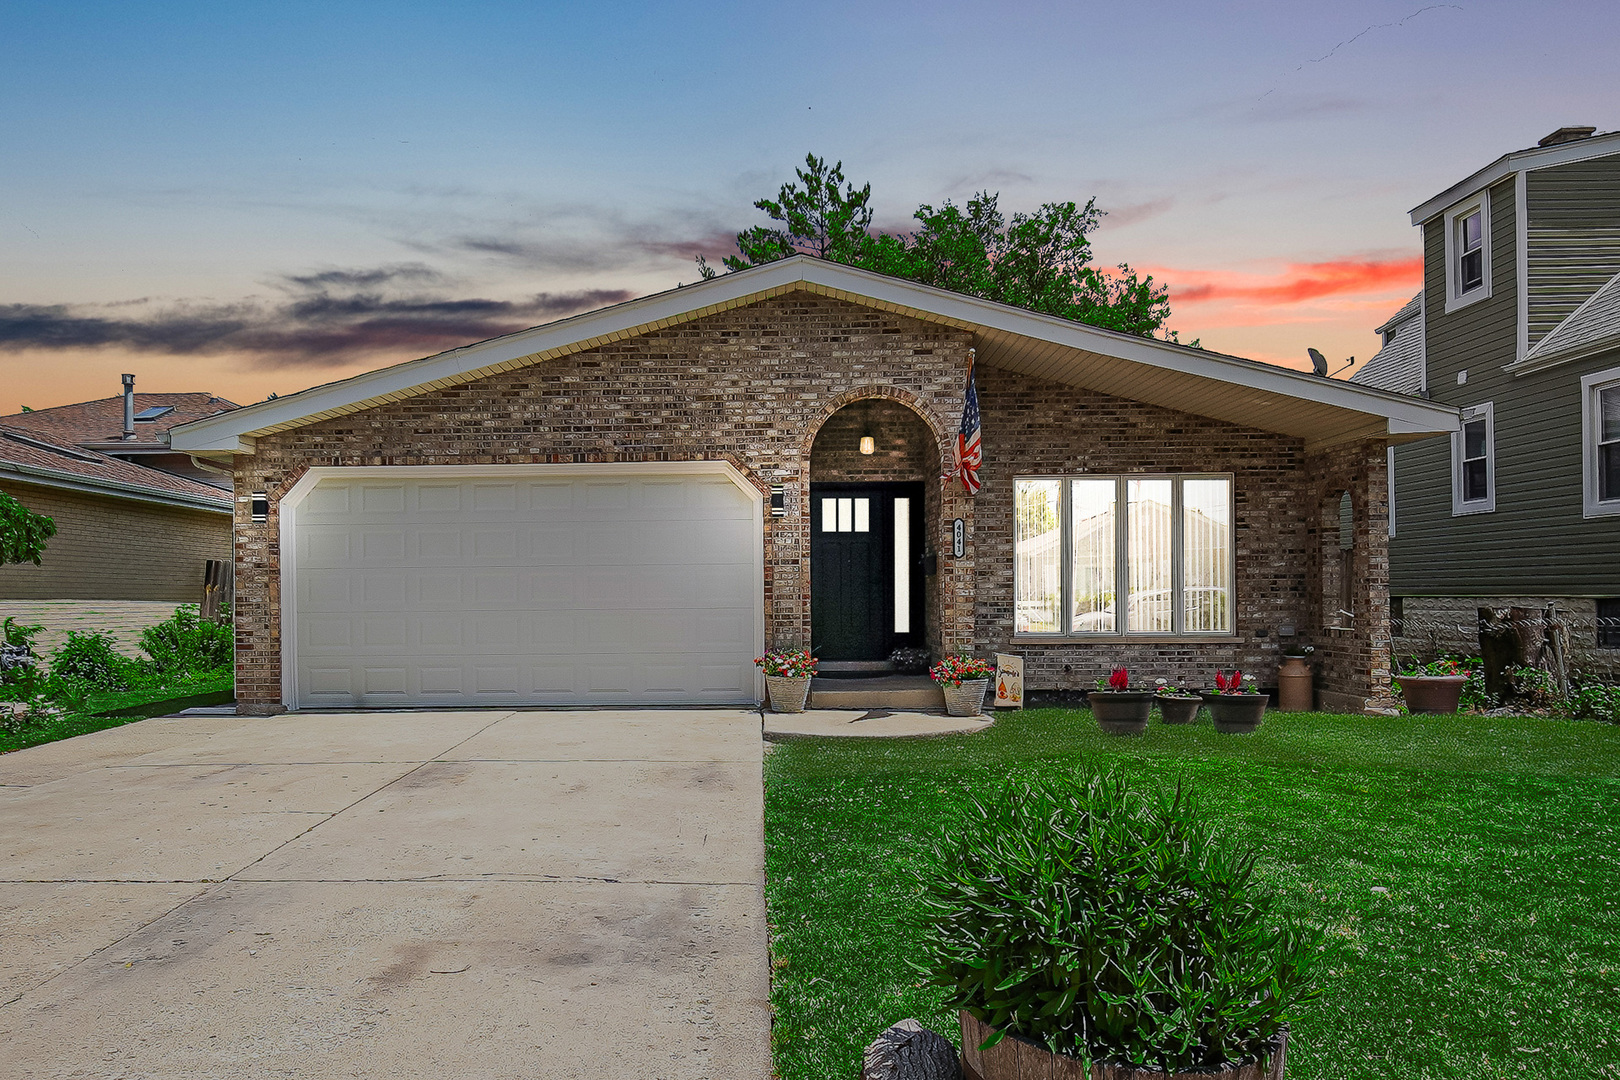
[
  {"x": 787, "y": 693},
  {"x": 967, "y": 699}
]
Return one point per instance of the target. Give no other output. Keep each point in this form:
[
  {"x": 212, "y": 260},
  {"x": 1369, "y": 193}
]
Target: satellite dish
[{"x": 1318, "y": 363}]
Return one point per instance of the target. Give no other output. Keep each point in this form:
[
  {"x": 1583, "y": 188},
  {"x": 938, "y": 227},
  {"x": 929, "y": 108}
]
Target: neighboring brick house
[
  {"x": 134, "y": 519},
  {"x": 1517, "y": 326},
  {"x": 626, "y": 506}
]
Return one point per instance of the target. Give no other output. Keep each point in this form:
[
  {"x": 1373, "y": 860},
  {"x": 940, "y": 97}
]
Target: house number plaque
[{"x": 958, "y": 538}]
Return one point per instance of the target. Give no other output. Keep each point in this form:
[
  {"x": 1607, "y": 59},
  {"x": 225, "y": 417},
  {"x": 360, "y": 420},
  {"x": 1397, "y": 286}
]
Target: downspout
[{"x": 129, "y": 408}]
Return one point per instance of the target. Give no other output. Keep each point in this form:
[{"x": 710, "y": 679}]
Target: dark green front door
[{"x": 866, "y": 589}]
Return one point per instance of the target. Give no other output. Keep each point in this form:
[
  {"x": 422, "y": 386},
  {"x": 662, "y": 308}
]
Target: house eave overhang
[
  {"x": 1537, "y": 157},
  {"x": 1205, "y": 383},
  {"x": 65, "y": 481}
]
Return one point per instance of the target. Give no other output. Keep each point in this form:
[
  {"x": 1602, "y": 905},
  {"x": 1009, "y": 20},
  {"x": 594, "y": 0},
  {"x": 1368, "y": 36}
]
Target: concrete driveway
[{"x": 477, "y": 894}]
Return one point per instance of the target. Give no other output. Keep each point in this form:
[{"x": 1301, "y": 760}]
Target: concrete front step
[{"x": 884, "y": 692}]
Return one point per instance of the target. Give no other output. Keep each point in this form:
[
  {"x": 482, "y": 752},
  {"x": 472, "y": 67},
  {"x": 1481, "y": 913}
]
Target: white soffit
[{"x": 1320, "y": 411}]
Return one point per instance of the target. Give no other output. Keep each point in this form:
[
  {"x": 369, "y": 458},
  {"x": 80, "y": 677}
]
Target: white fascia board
[
  {"x": 231, "y": 432},
  {"x": 1537, "y": 157},
  {"x": 28, "y": 474}
]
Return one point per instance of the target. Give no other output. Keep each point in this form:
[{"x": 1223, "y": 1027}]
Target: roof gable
[
  {"x": 1591, "y": 328},
  {"x": 1192, "y": 380}
]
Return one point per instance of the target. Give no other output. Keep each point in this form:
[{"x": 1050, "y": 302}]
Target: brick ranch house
[{"x": 626, "y": 506}]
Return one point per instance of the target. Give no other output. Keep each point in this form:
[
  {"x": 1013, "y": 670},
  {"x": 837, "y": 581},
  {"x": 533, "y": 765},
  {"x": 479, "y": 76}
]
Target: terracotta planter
[
  {"x": 787, "y": 693},
  {"x": 967, "y": 699},
  {"x": 1014, "y": 1058},
  {"x": 1431, "y": 693},
  {"x": 1295, "y": 689},
  {"x": 1121, "y": 712},
  {"x": 1179, "y": 710},
  {"x": 1235, "y": 714}
]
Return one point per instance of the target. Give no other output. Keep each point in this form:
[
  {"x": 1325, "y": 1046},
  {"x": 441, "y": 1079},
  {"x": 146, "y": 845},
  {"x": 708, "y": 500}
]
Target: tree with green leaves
[
  {"x": 1040, "y": 260},
  {"x": 23, "y": 533}
]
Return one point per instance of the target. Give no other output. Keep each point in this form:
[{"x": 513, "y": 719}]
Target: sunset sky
[{"x": 255, "y": 198}]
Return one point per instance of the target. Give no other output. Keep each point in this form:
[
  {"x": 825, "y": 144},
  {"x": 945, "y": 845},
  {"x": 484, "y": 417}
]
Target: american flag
[{"x": 969, "y": 454}]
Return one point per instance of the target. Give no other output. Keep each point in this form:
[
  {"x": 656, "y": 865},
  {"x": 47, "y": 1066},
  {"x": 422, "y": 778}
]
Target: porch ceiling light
[{"x": 868, "y": 445}]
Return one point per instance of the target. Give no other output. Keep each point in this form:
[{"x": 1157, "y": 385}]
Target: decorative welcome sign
[{"x": 1009, "y": 681}]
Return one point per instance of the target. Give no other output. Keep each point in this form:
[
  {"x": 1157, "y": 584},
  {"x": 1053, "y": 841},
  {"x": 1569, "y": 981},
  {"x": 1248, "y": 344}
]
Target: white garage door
[{"x": 524, "y": 588}]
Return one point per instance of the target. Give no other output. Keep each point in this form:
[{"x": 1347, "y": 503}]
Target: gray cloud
[{"x": 324, "y": 319}]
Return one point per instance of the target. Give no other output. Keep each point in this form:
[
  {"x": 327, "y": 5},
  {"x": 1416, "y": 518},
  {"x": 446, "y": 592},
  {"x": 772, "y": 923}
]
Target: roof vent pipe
[{"x": 129, "y": 407}]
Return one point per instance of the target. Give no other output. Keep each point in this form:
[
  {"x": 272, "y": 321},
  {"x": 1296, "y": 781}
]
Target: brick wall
[
  {"x": 1033, "y": 427},
  {"x": 116, "y": 549},
  {"x": 751, "y": 386},
  {"x": 756, "y": 385}
]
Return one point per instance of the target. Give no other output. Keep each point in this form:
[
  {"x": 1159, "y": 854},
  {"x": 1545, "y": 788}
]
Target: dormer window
[{"x": 1468, "y": 253}]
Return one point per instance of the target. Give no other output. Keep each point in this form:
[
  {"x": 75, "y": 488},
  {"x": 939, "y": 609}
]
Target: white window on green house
[
  {"x": 1468, "y": 253},
  {"x": 1168, "y": 555},
  {"x": 1473, "y": 465},
  {"x": 1600, "y": 431}
]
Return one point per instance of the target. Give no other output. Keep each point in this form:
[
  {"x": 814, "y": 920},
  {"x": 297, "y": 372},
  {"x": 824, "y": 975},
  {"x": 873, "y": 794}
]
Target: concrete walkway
[{"x": 477, "y": 894}]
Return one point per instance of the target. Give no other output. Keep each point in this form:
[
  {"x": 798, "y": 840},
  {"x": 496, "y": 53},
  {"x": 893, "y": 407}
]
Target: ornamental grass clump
[{"x": 1112, "y": 926}]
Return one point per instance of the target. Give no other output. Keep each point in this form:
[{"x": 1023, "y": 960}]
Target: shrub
[
  {"x": 185, "y": 645},
  {"x": 1533, "y": 687},
  {"x": 1111, "y": 927},
  {"x": 88, "y": 661},
  {"x": 1590, "y": 699}
]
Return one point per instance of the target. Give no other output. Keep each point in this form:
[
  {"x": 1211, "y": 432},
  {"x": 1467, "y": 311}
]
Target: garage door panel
[{"x": 609, "y": 590}]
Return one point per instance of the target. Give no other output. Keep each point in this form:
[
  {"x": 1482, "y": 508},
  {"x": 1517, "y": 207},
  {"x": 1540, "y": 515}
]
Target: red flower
[
  {"x": 1120, "y": 679},
  {"x": 1220, "y": 680}
]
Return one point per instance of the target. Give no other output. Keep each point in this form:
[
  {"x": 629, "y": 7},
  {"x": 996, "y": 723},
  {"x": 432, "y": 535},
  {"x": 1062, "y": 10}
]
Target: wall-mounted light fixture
[
  {"x": 868, "y": 445},
  {"x": 259, "y": 506},
  {"x": 778, "y": 500}
]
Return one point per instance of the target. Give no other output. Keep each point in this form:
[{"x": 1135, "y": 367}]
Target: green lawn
[
  {"x": 1494, "y": 952},
  {"x": 113, "y": 709}
]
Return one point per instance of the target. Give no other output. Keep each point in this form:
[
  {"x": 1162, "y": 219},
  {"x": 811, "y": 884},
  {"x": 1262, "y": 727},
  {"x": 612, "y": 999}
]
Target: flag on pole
[{"x": 969, "y": 455}]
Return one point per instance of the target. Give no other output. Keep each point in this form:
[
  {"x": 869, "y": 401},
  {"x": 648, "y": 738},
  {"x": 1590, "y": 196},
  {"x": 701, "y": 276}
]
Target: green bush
[
  {"x": 185, "y": 645},
  {"x": 1110, "y": 926},
  {"x": 1590, "y": 699},
  {"x": 89, "y": 661}
]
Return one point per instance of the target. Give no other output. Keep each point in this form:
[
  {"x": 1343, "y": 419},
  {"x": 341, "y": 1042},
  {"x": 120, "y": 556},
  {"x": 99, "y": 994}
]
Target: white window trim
[
  {"x": 1591, "y": 425},
  {"x": 1459, "y": 506},
  {"x": 1454, "y": 299},
  {"x": 1065, "y": 632}
]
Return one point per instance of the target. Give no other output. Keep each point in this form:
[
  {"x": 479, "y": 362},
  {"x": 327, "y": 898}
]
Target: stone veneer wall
[
  {"x": 751, "y": 386},
  {"x": 1435, "y": 625}
]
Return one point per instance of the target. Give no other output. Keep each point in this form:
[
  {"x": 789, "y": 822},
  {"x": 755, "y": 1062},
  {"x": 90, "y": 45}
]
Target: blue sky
[{"x": 253, "y": 198}]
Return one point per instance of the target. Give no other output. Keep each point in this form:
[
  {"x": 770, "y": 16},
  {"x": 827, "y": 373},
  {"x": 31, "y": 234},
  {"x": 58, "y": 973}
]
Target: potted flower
[
  {"x": 787, "y": 678},
  {"x": 1119, "y": 709},
  {"x": 1295, "y": 689},
  {"x": 1083, "y": 929},
  {"x": 1435, "y": 687},
  {"x": 1177, "y": 704},
  {"x": 964, "y": 680},
  {"x": 1235, "y": 705}
]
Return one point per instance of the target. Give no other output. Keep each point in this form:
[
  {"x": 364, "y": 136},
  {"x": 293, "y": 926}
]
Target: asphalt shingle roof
[
  {"x": 1398, "y": 366},
  {"x": 1592, "y": 325},
  {"x": 30, "y": 454},
  {"x": 102, "y": 421}
]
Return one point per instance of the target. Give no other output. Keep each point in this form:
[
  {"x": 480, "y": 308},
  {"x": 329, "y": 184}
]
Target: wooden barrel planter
[
  {"x": 1121, "y": 712},
  {"x": 1235, "y": 714},
  {"x": 1179, "y": 710},
  {"x": 1014, "y": 1058}
]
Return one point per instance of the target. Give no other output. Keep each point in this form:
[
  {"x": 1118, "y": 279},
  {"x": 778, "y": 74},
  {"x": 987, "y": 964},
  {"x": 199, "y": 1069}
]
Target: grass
[
  {"x": 1467, "y": 871},
  {"x": 114, "y": 709}
]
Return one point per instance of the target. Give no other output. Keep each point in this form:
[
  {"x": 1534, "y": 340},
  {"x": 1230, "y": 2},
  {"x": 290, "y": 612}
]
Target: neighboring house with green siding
[{"x": 1518, "y": 326}]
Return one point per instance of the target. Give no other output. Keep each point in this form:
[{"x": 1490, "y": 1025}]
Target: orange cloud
[{"x": 1298, "y": 283}]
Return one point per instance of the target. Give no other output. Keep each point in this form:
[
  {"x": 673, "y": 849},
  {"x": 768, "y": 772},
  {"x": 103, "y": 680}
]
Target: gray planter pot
[
  {"x": 1179, "y": 710},
  {"x": 1121, "y": 712},
  {"x": 1235, "y": 714},
  {"x": 967, "y": 699},
  {"x": 787, "y": 694}
]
